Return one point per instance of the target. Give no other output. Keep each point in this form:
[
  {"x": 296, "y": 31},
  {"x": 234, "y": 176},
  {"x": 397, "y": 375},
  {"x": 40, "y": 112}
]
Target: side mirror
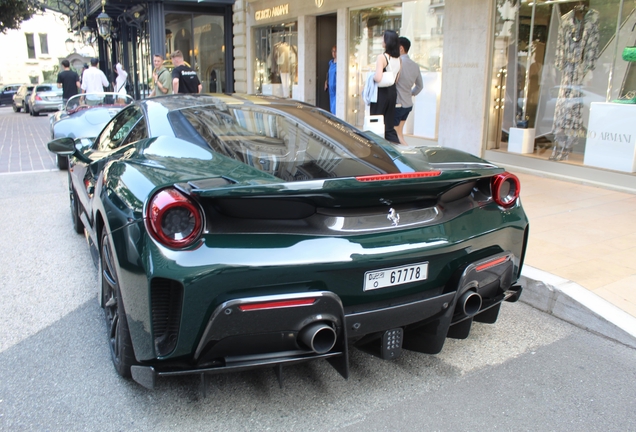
[
  {"x": 62, "y": 146},
  {"x": 67, "y": 147}
]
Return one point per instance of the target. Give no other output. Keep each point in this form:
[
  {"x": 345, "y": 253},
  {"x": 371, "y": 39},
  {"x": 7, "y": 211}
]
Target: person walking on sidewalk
[
  {"x": 409, "y": 85},
  {"x": 161, "y": 77},
  {"x": 94, "y": 81},
  {"x": 184, "y": 78},
  {"x": 387, "y": 71},
  {"x": 330, "y": 82},
  {"x": 68, "y": 81}
]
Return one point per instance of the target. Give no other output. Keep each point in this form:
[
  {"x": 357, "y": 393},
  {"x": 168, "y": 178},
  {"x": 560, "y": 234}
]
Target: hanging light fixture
[
  {"x": 103, "y": 22},
  {"x": 70, "y": 45},
  {"x": 86, "y": 32}
]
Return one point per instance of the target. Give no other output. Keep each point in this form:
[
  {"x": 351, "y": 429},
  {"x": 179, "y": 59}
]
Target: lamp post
[
  {"x": 103, "y": 22},
  {"x": 86, "y": 32},
  {"x": 70, "y": 45}
]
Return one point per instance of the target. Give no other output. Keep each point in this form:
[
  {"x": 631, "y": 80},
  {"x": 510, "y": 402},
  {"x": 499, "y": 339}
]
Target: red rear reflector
[
  {"x": 277, "y": 304},
  {"x": 399, "y": 176},
  {"x": 492, "y": 263}
]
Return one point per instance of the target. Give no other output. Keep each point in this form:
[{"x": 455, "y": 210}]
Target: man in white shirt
[{"x": 94, "y": 81}]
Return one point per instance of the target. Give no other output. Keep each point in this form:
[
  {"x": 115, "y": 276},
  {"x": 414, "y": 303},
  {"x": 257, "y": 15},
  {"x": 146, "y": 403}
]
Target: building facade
[
  {"x": 525, "y": 84},
  {"x": 33, "y": 53},
  {"x": 132, "y": 32}
]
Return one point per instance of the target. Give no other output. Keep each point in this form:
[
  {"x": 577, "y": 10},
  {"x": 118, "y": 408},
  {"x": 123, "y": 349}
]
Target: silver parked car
[{"x": 45, "y": 98}]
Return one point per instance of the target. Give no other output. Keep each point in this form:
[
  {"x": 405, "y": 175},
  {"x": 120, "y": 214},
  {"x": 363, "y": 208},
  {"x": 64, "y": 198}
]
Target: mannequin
[
  {"x": 282, "y": 62},
  {"x": 576, "y": 54}
]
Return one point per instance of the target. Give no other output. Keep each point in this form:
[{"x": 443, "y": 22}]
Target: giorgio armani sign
[{"x": 611, "y": 137}]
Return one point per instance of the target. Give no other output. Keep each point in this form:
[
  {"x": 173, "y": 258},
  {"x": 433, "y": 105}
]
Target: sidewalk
[{"x": 582, "y": 245}]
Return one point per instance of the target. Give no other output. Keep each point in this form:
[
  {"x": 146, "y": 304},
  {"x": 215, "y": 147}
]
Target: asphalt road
[{"x": 529, "y": 371}]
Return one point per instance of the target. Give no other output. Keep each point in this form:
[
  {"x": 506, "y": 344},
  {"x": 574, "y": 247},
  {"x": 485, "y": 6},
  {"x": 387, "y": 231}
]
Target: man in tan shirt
[{"x": 161, "y": 77}]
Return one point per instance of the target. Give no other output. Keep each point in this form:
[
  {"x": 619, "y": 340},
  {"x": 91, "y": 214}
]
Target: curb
[{"x": 571, "y": 302}]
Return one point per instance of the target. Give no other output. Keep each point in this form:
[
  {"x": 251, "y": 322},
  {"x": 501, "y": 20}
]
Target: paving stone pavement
[{"x": 23, "y": 141}]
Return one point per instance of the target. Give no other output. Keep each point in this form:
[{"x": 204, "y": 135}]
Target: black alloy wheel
[
  {"x": 78, "y": 226},
  {"x": 121, "y": 350}
]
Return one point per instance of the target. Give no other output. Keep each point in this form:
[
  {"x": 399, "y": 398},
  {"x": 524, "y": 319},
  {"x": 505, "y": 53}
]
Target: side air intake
[{"x": 166, "y": 297}]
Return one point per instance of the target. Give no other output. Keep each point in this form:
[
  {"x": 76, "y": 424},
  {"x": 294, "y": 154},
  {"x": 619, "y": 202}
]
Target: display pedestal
[
  {"x": 273, "y": 90},
  {"x": 521, "y": 140},
  {"x": 426, "y": 107},
  {"x": 611, "y": 137}
]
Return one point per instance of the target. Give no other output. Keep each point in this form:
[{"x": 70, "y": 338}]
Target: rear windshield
[
  {"x": 290, "y": 142},
  {"x": 44, "y": 88}
]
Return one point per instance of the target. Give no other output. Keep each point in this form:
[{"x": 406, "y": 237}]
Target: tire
[
  {"x": 35, "y": 113},
  {"x": 16, "y": 109},
  {"x": 78, "y": 226},
  {"x": 62, "y": 162},
  {"x": 121, "y": 349}
]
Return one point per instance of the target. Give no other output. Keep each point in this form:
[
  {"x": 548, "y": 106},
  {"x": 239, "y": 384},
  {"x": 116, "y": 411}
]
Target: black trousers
[{"x": 385, "y": 106}]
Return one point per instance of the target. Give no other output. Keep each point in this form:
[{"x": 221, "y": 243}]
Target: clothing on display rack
[
  {"x": 282, "y": 63},
  {"x": 576, "y": 54}
]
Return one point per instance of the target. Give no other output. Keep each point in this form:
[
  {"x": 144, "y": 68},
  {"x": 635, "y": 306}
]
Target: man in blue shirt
[{"x": 330, "y": 83}]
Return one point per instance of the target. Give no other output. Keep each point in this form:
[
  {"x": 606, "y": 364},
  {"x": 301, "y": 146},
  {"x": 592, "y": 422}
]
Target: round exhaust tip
[
  {"x": 470, "y": 303},
  {"x": 318, "y": 337}
]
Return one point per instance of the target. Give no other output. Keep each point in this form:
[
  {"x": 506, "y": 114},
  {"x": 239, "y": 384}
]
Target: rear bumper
[
  {"x": 265, "y": 331},
  {"x": 47, "y": 106}
]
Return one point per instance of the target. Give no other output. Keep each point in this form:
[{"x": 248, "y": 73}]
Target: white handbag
[{"x": 388, "y": 77}]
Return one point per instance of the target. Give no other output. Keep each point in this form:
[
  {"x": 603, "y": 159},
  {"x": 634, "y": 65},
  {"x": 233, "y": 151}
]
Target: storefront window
[
  {"x": 276, "y": 66},
  {"x": 420, "y": 22},
  {"x": 557, "y": 67},
  {"x": 201, "y": 40}
]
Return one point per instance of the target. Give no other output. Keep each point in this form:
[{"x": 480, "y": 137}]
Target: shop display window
[
  {"x": 201, "y": 40},
  {"x": 419, "y": 21},
  {"x": 552, "y": 61},
  {"x": 276, "y": 65}
]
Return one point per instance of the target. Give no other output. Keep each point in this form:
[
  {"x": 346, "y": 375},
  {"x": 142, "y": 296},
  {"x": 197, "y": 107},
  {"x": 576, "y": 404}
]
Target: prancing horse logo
[{"x": 394, "y": 217}]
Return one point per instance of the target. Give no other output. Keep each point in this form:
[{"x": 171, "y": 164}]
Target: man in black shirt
[
  {"x": 68, "y": 81},
  {"x": 184, "y": 78}
]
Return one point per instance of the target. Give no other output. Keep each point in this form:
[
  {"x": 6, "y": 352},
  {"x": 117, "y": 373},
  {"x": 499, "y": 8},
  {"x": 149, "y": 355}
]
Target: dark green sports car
[{"x": 234, "y": 232}]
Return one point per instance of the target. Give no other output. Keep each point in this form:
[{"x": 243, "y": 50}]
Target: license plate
[{"x": 377, "y": 279}]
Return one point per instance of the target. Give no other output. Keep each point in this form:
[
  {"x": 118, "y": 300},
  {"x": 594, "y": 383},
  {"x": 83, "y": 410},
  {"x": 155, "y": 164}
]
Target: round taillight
[
  {"x": 505, "y": 189},
  {"x": 174, "y": 219}
]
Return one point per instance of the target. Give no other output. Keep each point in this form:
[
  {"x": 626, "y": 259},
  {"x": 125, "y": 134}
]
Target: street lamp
[
  {"x": 70, "y": 44},
  {"x": 86, "y": 32},
  {"x": 103, "y": 22}
]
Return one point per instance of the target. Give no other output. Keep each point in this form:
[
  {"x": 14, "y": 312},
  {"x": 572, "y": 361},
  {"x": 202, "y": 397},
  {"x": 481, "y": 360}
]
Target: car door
[{"x": 126, "y": 127}]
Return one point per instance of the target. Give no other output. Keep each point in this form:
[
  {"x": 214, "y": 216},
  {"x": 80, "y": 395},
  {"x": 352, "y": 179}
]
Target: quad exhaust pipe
[
  {"x": 319, "y": 337},
  {"x": 469, "y": 303}
]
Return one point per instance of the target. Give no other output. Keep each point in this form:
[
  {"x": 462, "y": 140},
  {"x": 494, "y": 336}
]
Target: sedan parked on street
[
  {"x": 45, "y": 98},
  {"x": 6, "y": 93},
  {"x": 236, "y": 232},
  {"x": 21, "y": 98}
]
